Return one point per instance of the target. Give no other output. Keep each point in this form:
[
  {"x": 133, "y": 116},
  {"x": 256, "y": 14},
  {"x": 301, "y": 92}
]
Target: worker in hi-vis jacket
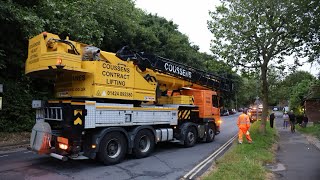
[{"x": 244, "y": 125}]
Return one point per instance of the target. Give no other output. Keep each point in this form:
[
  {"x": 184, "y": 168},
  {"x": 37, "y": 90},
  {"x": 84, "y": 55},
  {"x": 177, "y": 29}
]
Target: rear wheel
[
  {"x": 143, "y": 143},
  {"x": 190, "y": 137},
  {"x": 113, "y": 148}
]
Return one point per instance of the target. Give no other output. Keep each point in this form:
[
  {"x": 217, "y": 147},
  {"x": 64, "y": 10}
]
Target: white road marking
[
  {"x": 27, "y": 152},
  {"x": 4, "y": 156},
  {"x": 209, "y": 159}
]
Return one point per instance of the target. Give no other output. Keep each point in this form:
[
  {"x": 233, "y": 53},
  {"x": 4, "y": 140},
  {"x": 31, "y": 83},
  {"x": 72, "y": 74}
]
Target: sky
[{"x": 191, "y": 16}]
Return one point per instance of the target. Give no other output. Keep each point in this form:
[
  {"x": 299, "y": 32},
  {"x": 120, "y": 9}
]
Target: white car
[{"x": 275, "y": 109}]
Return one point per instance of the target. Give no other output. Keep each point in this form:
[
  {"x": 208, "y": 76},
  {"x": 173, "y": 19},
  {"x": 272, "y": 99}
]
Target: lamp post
[
  {"x": 1, "y": 90},
  {"x": 257, "y": 106}
]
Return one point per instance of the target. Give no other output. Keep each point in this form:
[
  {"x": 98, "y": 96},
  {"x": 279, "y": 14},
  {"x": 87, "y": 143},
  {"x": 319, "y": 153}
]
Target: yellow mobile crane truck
[{"x": 109, "y": 104}]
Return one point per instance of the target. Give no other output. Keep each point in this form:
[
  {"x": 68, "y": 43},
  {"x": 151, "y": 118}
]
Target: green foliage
[
  {"x": 246, "y": 161},
  {"x": 314, "y": 90},
  {"x": 257, "y": 35},
  {"x": 107, "y": 24},
  {"x": 248, "y": 91},
  {"x": 16, "y": 114},
  {"x": 281, "y": 88},
  {"x": 275, "y": 77},
  {"x": 251, "y": 33},
  {"x": 298, "y": 92},
  {"x": 312, "y": 130},
  {"x": 293, "y": 88}
]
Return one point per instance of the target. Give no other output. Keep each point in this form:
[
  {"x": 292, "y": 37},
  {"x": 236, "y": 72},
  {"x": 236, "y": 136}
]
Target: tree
[
  {"x": 107, "y": 24},
  {"x": 248, "y": 90},
  {"x": 299, "y": 92},
  {"x": 283, "y": 89},
  {"x": 309, "y": 29},
  {"x": 256, "y": 35},
  {"x": 275, "y": 77}
]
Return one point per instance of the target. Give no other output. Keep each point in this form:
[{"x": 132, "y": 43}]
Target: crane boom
[{"x": 178, "y": 70}]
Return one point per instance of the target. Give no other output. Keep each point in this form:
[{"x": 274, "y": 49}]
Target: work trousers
[
  {"x": 293, "y": 128},
  {"x": 240, "y": 134},
  {"x": 285, "y": 124}
]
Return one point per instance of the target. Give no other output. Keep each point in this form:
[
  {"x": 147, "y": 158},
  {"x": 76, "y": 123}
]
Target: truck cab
[{"x": 255, "y": 112}]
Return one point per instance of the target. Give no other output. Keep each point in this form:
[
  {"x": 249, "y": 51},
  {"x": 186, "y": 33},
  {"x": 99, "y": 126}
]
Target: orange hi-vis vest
[{"x": 243, "y": 121}]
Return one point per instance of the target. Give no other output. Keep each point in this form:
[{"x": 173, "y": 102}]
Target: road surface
[{"x": 169, "y": 161}]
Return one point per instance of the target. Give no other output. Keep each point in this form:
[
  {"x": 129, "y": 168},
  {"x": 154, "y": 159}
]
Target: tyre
[
  {"x": 143, "y": 144},
  {"x": 211, "y": 133},
  {"x": 113, "y": 148},
  {"x": 190, "y": 137}
]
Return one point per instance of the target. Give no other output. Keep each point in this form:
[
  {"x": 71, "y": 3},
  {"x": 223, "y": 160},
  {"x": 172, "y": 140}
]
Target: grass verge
[
  {"x": 312, "y": 130},
  {"x": 245, "y": 161},
  {"x": 13, "y": 138}
]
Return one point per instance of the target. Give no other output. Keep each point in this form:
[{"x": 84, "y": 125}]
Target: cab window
[{"x": 215, "y": 101}]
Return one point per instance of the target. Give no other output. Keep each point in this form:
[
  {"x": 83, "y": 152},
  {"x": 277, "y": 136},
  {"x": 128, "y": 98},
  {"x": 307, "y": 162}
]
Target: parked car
[
  {"x": 224, "y": 112},
  {"x": 240, "y": 109},
  {"x": 232, "y": 111},
  {"x": 275, "y": 109}
]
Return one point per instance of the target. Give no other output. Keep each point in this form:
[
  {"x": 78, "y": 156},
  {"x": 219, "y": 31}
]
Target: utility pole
[
  {"x": 257, "y": 98},
  {"x": 236, "y": 101},
  {"x": 257, "y": 106},
  {"x": 1, "y": 91}
]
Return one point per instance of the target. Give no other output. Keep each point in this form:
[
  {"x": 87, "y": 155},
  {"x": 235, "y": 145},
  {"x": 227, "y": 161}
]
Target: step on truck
[{"x": 108, "y": 105}]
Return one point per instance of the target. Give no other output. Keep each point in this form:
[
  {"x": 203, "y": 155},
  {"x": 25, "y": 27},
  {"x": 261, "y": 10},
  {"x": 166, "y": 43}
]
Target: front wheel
[
  {"x": 113, "y": 148},
  {"x": 190, "y": 137},
  {"x": 210, "y": 133}
]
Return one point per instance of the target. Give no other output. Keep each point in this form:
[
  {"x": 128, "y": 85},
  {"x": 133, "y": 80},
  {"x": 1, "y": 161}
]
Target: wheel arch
[
  {"x": 214, "y": 125},
  {"x": 134, "y": 131},
  {"x": 185, "y": 126},
  {"x": 98, "y": 136}
]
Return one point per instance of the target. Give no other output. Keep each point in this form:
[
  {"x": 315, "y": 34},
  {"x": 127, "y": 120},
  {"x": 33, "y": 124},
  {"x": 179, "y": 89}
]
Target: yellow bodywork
[
  {"x": 181, "y": 99},
  {"x": 108, "y": 77}
]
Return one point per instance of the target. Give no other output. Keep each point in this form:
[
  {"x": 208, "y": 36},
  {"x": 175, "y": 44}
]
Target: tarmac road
[{"x": 169, "y": 161}]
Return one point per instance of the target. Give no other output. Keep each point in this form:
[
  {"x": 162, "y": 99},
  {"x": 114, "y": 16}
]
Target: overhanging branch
[{"x": 246, "y": 66}]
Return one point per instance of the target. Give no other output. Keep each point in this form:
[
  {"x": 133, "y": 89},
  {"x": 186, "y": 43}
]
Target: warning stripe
[
  {"x": 188, "y": 115},
  {"x": 184, "y": 114},
  {"x": 78, "y": 117}
]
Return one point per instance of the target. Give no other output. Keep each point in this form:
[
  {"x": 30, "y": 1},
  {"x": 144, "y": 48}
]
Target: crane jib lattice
[{"x": 176, "y": 69}]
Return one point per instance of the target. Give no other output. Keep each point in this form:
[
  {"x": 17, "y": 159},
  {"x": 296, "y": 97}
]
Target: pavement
[{"x": 297, "y": 157}]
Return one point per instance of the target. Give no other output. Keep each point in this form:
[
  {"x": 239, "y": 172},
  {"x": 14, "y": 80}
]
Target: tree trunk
[{"x": 264, "y": 69}]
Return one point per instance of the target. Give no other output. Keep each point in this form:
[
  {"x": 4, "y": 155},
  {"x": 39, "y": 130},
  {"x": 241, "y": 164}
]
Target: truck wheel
[
  {"x": 190, "y": 137},
  {"x": 143, "y": 144},
  {"x": 113, "y": 148},
  {"x": 210, "y": 134}
]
